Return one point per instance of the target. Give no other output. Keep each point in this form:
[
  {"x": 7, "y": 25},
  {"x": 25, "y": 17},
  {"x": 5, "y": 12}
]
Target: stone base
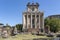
[{"x": 32, "y": 30}]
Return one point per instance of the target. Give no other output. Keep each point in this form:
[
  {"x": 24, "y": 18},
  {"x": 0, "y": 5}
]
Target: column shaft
[
  {"x": 39, "y": 20},
  {"x": 27, "y": 20},
  {"x": 31, "y": 20},
  {"x": 35, "y": 21},
  {"x": 23, "y": 21},
  {"x": 43, "y": 23}
]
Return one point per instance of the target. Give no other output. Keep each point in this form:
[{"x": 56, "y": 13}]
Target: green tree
[
  {"x": 54, "y": 24},
  {"x": 19, "y": 27}
]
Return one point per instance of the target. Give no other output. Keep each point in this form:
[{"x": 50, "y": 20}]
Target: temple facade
[{"x": 33, "y": 19}]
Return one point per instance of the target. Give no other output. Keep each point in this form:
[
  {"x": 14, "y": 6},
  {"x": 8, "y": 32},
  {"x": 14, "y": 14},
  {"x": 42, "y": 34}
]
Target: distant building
[
  {"x": 54, "y": 16},
  {"x": 33, "y": 20}
]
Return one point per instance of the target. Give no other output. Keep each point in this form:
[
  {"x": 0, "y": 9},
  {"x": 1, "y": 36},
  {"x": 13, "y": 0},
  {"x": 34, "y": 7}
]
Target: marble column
[
  {"x": 27, "y": 20},
  {"x": 35, "y": 21},
  {"x": 39, "y": 20},
  {"x": 23, "y": 21},
  {"x": 43, "y": 23},
  {"x": 31, "y": 20}
]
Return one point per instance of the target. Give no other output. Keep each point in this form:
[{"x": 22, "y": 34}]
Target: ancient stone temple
[{"x": 33, "y": 20}]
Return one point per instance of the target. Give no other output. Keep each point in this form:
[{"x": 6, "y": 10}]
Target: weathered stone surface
[{"x": 4, "y": 34}]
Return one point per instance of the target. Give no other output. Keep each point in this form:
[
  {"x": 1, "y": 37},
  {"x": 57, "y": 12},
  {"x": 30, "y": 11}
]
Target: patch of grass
[{"x": 22, "y": 36}]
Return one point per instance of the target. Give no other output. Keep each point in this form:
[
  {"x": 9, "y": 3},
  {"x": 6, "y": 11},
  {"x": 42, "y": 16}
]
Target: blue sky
[{"x": 11, "y": 10}]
